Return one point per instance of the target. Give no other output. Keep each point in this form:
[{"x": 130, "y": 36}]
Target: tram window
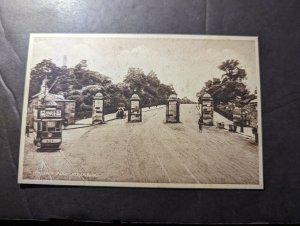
[
  {"x": 44, "y": 126},
  {"x": 58, "y": 126},
  {"x": 51, "y": 126}
]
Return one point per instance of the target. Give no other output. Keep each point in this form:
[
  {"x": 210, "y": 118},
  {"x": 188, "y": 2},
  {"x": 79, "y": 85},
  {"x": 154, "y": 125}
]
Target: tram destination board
[
  {"x": 50, "y": 113},
  {"x": 184, "y": 98}
]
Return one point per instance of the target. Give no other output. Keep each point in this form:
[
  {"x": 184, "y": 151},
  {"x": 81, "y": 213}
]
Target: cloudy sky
[{"x": 185, "y": 61}]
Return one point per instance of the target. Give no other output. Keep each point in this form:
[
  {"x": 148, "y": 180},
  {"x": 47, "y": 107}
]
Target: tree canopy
[
  {"x": 230, "y": 92},
  {"x": 148, "y": 87},
  {"x": 81, "y": 84},
  {"x": 230, "y": 87},
  {"x": 232, "y": 71},
  {"x": 46, "y": 69}
]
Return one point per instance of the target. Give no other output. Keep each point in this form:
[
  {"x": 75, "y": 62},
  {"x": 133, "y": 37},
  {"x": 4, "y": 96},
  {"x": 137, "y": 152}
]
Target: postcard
[{"x": 140, "y": 110}]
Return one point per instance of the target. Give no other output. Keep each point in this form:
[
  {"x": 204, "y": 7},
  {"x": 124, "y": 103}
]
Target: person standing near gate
[{"x": 200, "y": 123}]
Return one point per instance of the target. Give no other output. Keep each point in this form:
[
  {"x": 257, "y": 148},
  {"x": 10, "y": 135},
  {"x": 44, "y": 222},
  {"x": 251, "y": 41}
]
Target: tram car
[{"x": 48, "y": 120}]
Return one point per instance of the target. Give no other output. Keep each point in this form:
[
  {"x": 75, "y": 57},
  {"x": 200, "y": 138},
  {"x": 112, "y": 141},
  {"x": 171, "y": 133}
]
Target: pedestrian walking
[
  {"x": 200, "y": 123},
  {"x": 121, "y": 113},
  {"x": 254, "y": 131},
  {"x": 27, "y": 130},
  {"x": 235, "y": 126},
  {"x": 65, "y": 123}
]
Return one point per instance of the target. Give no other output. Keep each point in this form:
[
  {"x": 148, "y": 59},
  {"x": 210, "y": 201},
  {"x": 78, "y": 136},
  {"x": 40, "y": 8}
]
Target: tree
[
  {"x": 45, "y": 69},
  {"x": 148, "y": 87},
  {"x": 164, "y": 91},
  {"x": 208, "y": 84},
  {"x": 186, "y": 100},
  {"x": 81, "y": 84},
  {"x": 136, "y": 79},
  {"x": 232, "y": 71},
  {"x": 230, "y": 87},
  {"x": 85, "y": 77},
  {"x": 81, "y": 69},
  {"x": 216, "y": 81}
]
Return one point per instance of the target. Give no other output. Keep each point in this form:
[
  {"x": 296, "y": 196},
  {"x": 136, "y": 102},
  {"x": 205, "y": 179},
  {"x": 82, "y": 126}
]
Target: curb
[
  {"x": 89, "y": 125},
  {"x": 240, "y": 133}
]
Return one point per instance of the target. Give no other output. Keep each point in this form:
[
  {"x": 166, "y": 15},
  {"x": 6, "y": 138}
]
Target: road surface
[{"x": 150, "y": 151}]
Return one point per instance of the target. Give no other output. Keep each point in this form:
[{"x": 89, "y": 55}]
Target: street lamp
[
  {"x": 98, "y": 105},
  {"x": 172, "y": 109}
]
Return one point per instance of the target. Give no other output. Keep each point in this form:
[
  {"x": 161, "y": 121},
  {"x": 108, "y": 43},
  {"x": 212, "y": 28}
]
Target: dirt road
[{"x": 150, "y": 151}]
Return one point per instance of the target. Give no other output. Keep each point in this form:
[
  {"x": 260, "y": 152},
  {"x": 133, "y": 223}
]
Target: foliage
[
  {"x": 148, "y": 87},
  {"x": 186, "y": 100},
  {"x": 230, "y": 91},
  {"x": 63, "y": 79},
  {"x": 232, "y": 71},
  {"x": 230, "y": 87},
  {"x": 81, "y": 84},
  {"x": 45, "y": 69}
]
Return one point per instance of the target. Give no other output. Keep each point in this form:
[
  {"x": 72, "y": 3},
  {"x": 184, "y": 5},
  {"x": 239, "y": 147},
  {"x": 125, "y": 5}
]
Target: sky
[{"x": 187, "y": 62}]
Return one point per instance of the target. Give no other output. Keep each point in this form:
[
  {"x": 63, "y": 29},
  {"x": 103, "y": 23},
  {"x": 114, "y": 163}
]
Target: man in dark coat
[{"x": 200, "y": 123}]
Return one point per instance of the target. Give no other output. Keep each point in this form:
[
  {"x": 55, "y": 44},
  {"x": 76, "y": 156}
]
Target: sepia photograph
[{"x": 141, "y": 110}]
